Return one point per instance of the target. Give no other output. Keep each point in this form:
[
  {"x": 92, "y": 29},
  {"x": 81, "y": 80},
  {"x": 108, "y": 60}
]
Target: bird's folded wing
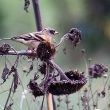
[{"x": 29, "y": 36}]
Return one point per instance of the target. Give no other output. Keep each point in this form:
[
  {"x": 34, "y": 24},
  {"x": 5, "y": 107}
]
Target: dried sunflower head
[
  {"x": 45, "y": 51},
  {"x": 62, "y": 87}
]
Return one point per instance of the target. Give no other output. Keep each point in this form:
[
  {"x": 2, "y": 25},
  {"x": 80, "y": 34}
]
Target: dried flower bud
[
  {"x": 45, "y": 51},
  {"x": 59, "y": 99},
  {"x": 97, "y": 70},
  {"x": 103, "y": 93},
  {"x": 35, "y": 89},
  {"x": 4, "y": 48},
  {"x": 83, "y": 51},
  {"x": 26, "y": 5},
  {"x": 74, "y": 35}
]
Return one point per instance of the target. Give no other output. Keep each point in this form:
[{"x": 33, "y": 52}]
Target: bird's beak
[{"x": 56, "y": 32}]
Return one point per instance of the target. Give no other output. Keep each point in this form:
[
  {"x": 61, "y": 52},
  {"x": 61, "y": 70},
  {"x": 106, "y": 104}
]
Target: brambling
[{"x": 33, "y": 39}]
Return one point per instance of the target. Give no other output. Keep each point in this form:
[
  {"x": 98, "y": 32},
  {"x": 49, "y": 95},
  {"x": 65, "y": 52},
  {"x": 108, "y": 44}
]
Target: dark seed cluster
[
  {"x": 97, "y": 70},
  {"x": 62, "y": 87},
  {"x": 75, "y": 36},
  {"x": 45, "y": 51},
  {"x": 74, "y": 75}
]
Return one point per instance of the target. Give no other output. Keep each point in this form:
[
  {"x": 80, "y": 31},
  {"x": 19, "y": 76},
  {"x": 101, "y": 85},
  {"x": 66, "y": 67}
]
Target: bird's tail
[{"x": 6, "y": 39}]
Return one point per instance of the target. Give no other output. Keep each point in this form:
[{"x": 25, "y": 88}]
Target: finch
[{"x": 32, "y": 40}]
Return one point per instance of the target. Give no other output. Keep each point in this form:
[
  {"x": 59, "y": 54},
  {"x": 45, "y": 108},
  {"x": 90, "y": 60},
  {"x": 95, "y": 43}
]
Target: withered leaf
[{"x": 5, "y": 73}]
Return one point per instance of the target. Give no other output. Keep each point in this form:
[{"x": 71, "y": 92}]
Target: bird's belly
[{"x": 32, "y": 45}]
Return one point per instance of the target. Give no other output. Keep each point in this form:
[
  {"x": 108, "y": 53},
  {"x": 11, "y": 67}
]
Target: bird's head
[{"x": 49, "y": 31}]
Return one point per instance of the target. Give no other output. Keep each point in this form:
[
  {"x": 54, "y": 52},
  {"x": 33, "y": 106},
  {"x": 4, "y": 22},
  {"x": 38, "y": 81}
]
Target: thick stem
[
  {"x": 28, "y": 53},
  {"x": 5, "y": 107},
  {"x": 62, "y": 40},
  {"x": 37, "y": 14},
  {"x": 54, "y": 103},
  {"x": 22, "y": 52},
  {"x": 60, "y": 71},
  {"x": 49, "y": 101}
]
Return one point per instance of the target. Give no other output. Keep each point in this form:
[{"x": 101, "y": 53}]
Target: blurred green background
[{"x": 92, "y": 17}]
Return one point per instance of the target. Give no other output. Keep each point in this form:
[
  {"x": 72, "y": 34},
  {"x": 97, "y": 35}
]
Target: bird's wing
[
  {"x": 43, "y": 37},
  {"x": 37, "y": 35},
  {"x": 28, "y": 37}
]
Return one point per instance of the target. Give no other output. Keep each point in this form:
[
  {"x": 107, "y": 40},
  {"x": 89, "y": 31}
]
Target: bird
[{"x": 32, "y": 40}]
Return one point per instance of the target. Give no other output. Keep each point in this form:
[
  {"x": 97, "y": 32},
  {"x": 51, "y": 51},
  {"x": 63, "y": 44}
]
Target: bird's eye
[{"x": 52, "y": 31}]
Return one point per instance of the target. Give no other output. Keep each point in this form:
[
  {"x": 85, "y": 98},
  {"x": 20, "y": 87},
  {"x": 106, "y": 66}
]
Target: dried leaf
[{"x": 5, "y": 73}]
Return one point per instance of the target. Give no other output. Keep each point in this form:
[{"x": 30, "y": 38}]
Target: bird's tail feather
[{"x": 6, "y": 39}]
